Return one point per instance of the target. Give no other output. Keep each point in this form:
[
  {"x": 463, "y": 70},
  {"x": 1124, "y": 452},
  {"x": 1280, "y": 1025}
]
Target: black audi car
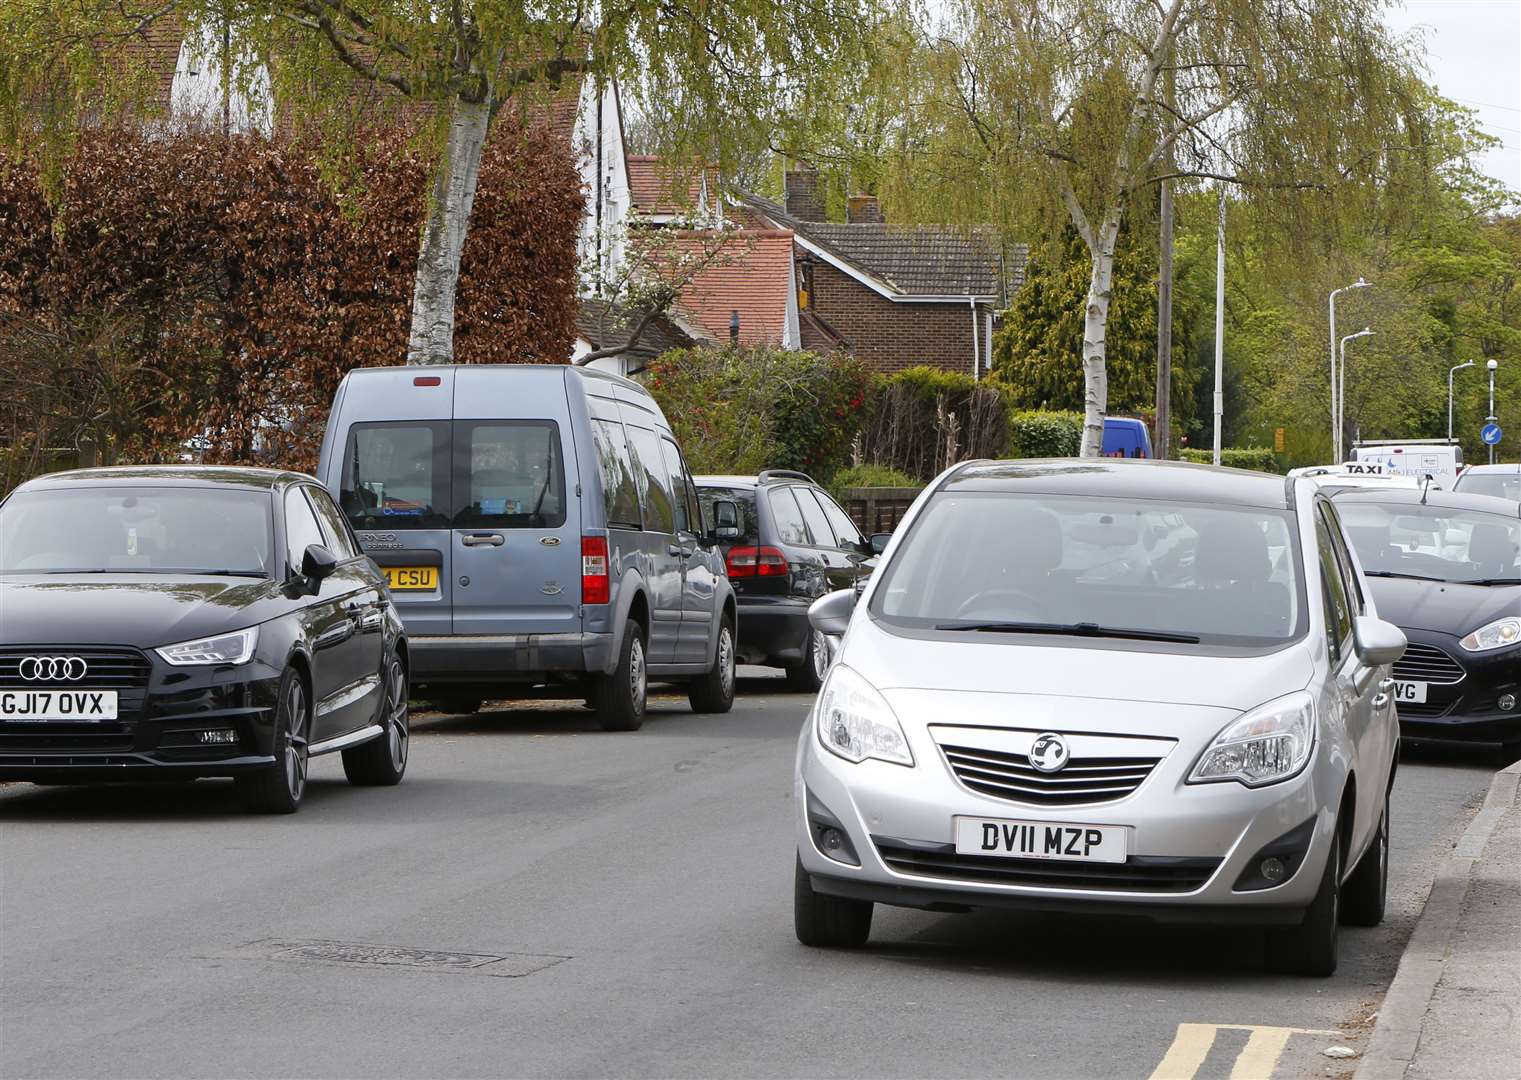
[
  {"x": 181, "y": 622},
  {"x": 1446, "y": 568}
]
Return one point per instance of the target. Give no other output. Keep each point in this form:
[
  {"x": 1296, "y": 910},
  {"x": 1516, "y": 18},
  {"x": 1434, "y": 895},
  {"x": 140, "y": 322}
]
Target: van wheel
[
  {"x": 620, "y": 697},
  {"x": 1364, "y": 894},
  {"x": 808, "y": 676},
  {"x": 827, "y": 921},
  {"x": 714, "y": 692},
  {"x": 1310, "y": 947}
]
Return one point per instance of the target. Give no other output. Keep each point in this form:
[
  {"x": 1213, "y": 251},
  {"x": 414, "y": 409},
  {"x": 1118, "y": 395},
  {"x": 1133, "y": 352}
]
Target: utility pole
[
  {"x": 1450, "y": 373},
  {"x": 1491, "y": 365},
  {"x": 1163, "y": 446},
  {"x": 1335, "y": 393},
  {"x": 1220, "y": 327}
]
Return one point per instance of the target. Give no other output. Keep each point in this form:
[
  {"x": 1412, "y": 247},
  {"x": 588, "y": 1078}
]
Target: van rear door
[
  {"x": 515, "y": 547},
  {"x": 393, "y": 485}
]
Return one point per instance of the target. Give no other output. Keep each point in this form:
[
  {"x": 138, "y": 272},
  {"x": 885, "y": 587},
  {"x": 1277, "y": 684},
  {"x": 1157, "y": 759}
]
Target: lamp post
[
  {"x": 1335, "y": 395},
  {"x": 1450, "y": 373},
  {"x": 1341, "y": 395},
  {"x": 1492, "y": 417}
]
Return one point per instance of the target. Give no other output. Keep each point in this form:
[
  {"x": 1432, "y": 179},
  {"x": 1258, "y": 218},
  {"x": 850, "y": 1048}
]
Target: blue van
[
  {"x": 539, "y": 532},
  {"x": 1127, "y": 437}
]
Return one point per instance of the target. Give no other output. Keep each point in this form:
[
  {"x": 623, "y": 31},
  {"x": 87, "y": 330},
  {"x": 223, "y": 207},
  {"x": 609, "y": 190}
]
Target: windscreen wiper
[
  {"x": 1081, "y": 629},
  {"x": 1395, "y": 573},
  {"x": 1488, "y": 581}
]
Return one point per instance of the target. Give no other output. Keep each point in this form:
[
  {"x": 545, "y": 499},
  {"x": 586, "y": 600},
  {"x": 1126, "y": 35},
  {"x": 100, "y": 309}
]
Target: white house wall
[
  {"x": 604, "y": 241},
  {"x": 196, "y": 94}
]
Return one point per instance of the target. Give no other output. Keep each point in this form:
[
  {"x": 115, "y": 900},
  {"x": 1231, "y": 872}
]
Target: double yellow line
[{"x": 1192, "y": 1044}]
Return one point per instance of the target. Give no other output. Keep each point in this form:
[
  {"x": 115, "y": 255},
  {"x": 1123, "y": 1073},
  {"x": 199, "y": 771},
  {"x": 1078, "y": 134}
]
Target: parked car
[
  {"x": 1356, "y": 474},
  {"x": 795, "y": 544},
  {"x": 180, "y": 621},
  {"x": 1209, "y": 739},
  {"x": 1446, "y": 568},
  {"x": 540, "y": 533},
  {"x": 1499, "y": 481},
  {"x": 1126, "y": 437}
]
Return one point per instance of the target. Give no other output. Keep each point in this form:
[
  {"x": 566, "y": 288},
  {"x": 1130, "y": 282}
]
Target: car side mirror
[
  {"x": 830, "y": 614},
  {"x": 1378, "y": 642},
  {"x": 725, "y": 519},
  {"x": 879, "y": 542},
  {"x": 317, "y": 562}
]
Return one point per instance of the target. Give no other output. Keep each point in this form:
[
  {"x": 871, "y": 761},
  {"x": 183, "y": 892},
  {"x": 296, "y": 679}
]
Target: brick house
[{"x": 894, "y": 296}]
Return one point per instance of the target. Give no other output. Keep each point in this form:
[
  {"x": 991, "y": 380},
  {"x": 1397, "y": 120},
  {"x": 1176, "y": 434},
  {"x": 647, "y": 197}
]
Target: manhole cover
[{"x": 501, "y": 965}]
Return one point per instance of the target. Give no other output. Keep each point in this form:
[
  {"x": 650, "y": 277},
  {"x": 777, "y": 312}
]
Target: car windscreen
[
  {"x": 137, "y": 530},
  {"x": 1503, "y": 485},
  {"x": 1433, "y": 542},
  {"x": 1216, "y": 575}
]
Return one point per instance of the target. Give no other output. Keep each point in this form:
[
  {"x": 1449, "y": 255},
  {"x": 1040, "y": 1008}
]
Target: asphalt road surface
[{"x": 542, "y": 899}]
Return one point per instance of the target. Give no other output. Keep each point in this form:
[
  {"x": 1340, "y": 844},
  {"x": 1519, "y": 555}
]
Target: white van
[{"x": 1420, "y": 458}]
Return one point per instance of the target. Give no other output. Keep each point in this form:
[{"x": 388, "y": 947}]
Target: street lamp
[
  {"x": 1335, "y": 395},
  {"x": 1341, "y": 395},
  {"x": 1450, "y": 373},
  {"x": 1492, "y": 417}
]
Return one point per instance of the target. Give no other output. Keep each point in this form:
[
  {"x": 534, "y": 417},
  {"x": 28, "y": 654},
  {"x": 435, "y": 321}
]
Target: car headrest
[
  {"x": 1232, "y": 548},
  {"x": 1491, "y": 544}
]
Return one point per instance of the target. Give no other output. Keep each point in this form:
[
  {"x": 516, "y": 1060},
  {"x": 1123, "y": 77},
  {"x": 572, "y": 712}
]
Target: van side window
[
  {"x": 654, "y": 484},
  {"x": 508, "y": 474},
  {"x": 681, "y": 484},
  {"x": 620, "y": 495},
  {"x": 396, "y": 476}
]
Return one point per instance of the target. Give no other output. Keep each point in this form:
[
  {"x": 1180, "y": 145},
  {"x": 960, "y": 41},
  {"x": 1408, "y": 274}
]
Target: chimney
[
  {"x": 863, "y": 210},
  {"x": 803, "y": 200}
]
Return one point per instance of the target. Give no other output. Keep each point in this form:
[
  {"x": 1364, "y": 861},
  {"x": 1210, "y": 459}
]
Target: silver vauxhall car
[{"x": 1105, "y": 686}]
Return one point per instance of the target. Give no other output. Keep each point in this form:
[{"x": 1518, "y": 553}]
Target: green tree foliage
[{"x": 1037, "y": 351}]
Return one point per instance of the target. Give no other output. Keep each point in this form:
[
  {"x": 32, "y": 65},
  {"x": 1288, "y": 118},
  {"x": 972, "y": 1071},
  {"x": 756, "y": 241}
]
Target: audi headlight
[
  {"x": 855, "y": 722},
  {"x": 1270, "y": 743},
  {"x": 1496, "y": 635},
  {"x": 234, "y": 648}
]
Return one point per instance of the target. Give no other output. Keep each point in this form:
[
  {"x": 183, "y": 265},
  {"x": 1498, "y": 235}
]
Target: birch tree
[
  {"x": 733, "y": 68},
  {"x": 1036, "y": 113}
]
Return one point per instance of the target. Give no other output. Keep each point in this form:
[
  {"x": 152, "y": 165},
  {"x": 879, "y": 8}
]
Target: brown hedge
[{"x": 195, "y": 286}]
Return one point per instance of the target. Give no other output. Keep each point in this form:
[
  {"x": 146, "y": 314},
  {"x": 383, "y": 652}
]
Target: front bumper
[
  {"x": 899, "y": 822},
  {"x": 158, "y": 731},
  {"x": 1466, "y": 712}
]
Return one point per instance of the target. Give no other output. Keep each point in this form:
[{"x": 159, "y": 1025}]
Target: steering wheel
[{"x": 1029, "y": 603}]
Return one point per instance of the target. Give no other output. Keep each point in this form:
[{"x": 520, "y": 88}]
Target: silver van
[{"x": 539, "y": 532}]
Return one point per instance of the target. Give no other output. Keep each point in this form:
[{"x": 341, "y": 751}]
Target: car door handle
[{"x": 483, "y": 540}]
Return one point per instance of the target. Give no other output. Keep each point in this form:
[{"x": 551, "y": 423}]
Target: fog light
[
  {"x": 1507, "y": 702},
  {"x": 220, "y": 737},
  {"x": 1273, "y": 869},
  {"x": 832, "y": 840}
]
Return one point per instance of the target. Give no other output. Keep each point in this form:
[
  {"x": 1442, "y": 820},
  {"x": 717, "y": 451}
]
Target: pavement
[
  {"x": 540, "y": 898},
  {"x": 1452, "y": 1008}
]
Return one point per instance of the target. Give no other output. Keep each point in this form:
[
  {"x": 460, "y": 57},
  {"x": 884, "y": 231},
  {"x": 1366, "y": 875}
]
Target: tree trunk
[
  {"x": 1095, "y": 326},
  {"x": 454, "y": 182}
]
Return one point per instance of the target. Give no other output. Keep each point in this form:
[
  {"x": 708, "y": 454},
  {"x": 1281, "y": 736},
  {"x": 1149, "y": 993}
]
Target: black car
[
  {"x": 795, "y": 544},
  {"x": 178, "y": 622},
  {"x": 1446, "y": 568}
]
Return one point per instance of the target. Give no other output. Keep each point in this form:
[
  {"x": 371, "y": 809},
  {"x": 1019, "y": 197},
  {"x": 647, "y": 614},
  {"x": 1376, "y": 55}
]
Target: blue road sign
[{"x": 1490, "y": 434}]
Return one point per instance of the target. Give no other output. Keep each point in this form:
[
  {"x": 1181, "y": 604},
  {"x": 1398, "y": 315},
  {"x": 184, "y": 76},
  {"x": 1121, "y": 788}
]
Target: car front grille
[
  {"x": 56, "y": 737},
  {"x": 1430, "y": 710},
  {"x": 1428, "y": 664},
  {"x": 1138, "y": 873},
  {"x": 108, "y": 669},
  {"x": 126, "y": 671},
  {"x": 1005, "y": 775}
]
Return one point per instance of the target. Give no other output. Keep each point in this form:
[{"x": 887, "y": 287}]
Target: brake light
[
  {"x": 427, "y": 380},
  {"x": 596, "y": 587},
  {"x": 756, "y": 562}
]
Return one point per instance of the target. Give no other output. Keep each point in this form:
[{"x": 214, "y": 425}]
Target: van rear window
[
  {"x": 396, "y": 476},
  {"x": 508, "y": 474}
]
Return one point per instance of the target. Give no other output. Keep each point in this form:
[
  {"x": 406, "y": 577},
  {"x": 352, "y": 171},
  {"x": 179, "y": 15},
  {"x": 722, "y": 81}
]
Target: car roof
[
  {"x": 1129, "y": 478},
  {"x": 167, "y": 476},
  {"x": 1498, "y": 467},
  {"x": 1447, "y": 500},
  {"x": 725, "y": 481}
]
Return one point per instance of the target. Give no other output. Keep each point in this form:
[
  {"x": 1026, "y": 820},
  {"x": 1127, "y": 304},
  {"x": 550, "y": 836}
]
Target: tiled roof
[
  {"x": 915, "y": 260},
  {"x": 752, "y": 276},
  {"x": 602, "y": 325},
  {"x": 657, "y": 188}
]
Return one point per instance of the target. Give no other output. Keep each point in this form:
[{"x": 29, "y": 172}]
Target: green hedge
[
  {"x": 859, "y": 476},
  {"x": 1256, "y": 458},
  {"x": 1042, "y": 433}
]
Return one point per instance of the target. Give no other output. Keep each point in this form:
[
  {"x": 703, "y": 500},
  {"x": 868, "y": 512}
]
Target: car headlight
[
  {"x": 234, "y": 648},
  {"x": 1496, "y": 635},
  {"x": 1270, "y": 743},
  {"x": 855, "y": 722}
]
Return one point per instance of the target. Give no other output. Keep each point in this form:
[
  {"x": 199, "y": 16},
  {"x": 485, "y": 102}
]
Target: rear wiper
[
  {"x": 1394, "y": 573},
  {"x": 1082, "y": 629}
]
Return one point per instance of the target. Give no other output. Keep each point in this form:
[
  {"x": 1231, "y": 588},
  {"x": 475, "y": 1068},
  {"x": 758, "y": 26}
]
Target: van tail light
[
  {"x": 596, "y": 587},
  {"x": 743, "y": 562}
]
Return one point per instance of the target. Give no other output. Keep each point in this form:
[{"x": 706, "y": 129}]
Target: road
[{"x": 637, "y": 890}]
